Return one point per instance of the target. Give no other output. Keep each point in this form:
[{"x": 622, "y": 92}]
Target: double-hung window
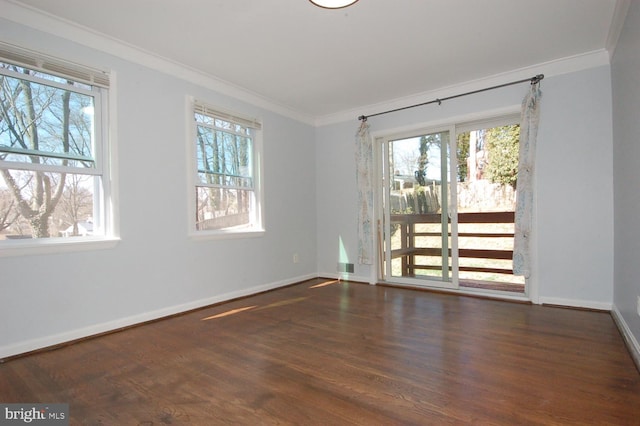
[
  {"x": 53, "y": 170},
  {"x": 227, "y": 188}
]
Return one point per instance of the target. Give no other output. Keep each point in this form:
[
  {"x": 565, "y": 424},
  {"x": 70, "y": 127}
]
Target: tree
[
  {"x": 76, "y": 202},
  {"x": 25, "y": 107},
  {"x": 426, "y": 141},
  {"x": 241, "y": 165},
  {"x": 224, "y": 164},
  {"x": 8, "y": 213},
  {"x": 462, "y": 148},
  {"x": 208, "y": 161},
  {"x": 502, "y": 144},
  {"x": 405, "y": 162}
]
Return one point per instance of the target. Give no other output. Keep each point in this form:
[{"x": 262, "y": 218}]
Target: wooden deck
[
  {"x": 331, "y": 353},
  {"x": 482, "y": 266}
]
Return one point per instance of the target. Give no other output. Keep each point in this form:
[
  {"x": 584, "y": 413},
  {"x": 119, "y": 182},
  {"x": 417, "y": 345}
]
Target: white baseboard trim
[
  {"x": 69, "y": 336},
  {"x": 627, "y": 335},
  {"x": 345, "y": 276},
  {"x": 576, "y": 303}
]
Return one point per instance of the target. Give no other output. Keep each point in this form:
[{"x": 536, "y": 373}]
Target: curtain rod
[{"x": 533, "y": 80}]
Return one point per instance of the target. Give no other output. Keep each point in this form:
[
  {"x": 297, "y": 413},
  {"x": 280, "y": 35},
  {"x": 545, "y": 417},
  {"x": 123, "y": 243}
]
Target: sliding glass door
[{"x": 418, "y": 201}]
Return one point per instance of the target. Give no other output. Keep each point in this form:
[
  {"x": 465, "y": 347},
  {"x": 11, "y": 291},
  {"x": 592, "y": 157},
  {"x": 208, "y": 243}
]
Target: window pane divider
[
  {"x": 46, "y": 154},
  {"x": 14, "y": 165},
  {"x": 214, "y": 185},
  {"x": 210, "y": 173}
]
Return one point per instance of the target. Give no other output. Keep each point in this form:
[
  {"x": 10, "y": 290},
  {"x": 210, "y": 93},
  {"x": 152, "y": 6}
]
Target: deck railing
[{"x": 409, "y": 233}]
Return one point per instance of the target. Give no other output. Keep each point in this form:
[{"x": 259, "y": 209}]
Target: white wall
[
  {"x": 574, "y": 232},
  {"x": 575, "y": 190},
  {"x": 156, "y": 269},
  {"x": 626, "y": 131},
  {"x": 309, "y": 179}
]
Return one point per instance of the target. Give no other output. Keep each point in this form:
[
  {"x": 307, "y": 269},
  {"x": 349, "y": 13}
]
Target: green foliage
[
  {"x": 463, "y": 155},
  {"x": 502, "y": 144}
]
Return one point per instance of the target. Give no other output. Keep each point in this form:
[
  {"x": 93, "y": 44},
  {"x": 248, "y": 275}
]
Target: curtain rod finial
[
  {"x": 362, "y": 118},
  {"x": 537, "y": 79}
]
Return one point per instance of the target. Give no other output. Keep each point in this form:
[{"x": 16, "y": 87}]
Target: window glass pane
[
  {"x": 219, "y": 208},
  {"x": 44, "y": 124},
  {"x": 45, "y": 204},
  {"x": 419, "y": 206},
  {"x": 224, "y": 158},
  {"x": 223, "y": 124},
  {"x": 47, "y": 125},
  {"x": 226, "y": 185},
  {"x": 203, "y": 119},
  {"x": 487, "y": 179}
]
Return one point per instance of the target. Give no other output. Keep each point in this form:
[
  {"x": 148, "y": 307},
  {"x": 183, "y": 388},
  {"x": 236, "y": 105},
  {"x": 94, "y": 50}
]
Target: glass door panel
[{"x": 418, "y": 226}]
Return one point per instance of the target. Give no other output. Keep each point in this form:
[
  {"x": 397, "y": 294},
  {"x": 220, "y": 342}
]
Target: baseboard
[
  {"x": 576, "y": 303},
  {"x": 627, "y": 335},
  {"x": 85, "y": 332},
  {"x": 345, "y": 276}
]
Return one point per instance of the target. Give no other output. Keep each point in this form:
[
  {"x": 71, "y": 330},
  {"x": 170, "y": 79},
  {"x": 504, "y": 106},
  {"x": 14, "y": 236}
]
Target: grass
[{"x": 488, "y": 243}]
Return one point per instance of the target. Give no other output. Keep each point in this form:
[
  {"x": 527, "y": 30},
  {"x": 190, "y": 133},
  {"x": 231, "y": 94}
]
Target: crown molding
[
  {"x": 617, "y": 23},
  {"x": 51, "y": 24},
  {"x": 549, "y": 69},
  {"x": 45, "y": 22}
]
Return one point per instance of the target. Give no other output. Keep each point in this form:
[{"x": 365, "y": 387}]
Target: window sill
[
  {"x": 55, "y": 245},
  {"x": 222, "y": 235}
]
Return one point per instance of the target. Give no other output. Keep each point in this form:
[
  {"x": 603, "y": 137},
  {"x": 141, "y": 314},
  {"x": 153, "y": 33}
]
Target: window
[
  {"x": 227, "y": 179},
  {"x": 53, "y": 174}
]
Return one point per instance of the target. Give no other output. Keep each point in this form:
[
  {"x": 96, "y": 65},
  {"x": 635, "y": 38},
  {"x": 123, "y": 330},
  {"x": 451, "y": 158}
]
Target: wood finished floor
[{"x": 331, "y": 353}]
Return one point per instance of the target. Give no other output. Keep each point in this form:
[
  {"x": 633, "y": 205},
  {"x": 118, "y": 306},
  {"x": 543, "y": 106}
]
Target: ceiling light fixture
[{"x": 333, "y": 4}]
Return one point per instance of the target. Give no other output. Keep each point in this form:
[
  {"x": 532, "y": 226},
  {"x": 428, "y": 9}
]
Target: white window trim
[
  {"x": 195, "y": 105},
  {"x": 487, "y": 123},
  {"x": 56, "y": 245},
  {"x": 105, "y": 154},
  {"x": 459, "y": 124}
]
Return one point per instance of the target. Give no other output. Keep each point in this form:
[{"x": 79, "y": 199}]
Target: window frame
[
  {"x": 457, "y": 124},
  {"x": 97, "y": 169},
  {"x": 256, "y": 227},
  {"x": 103, "y": 147}
]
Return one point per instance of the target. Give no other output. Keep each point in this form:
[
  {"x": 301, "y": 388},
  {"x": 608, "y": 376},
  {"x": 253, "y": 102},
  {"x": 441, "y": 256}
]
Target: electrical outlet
[{"x": 296, "y": 258}]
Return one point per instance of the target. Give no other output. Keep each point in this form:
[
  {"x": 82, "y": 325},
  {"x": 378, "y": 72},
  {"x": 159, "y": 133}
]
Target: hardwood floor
[{"x": 330, "y": 353}]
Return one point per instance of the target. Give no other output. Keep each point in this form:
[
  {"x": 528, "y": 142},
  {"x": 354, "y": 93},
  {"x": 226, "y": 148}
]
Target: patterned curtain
[
  {"x": 364, "y": 182},
  {"x": 524, "y": 198}
]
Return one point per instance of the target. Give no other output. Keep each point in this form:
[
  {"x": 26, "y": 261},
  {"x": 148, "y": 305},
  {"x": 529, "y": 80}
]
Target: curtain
[
  {"x": 364, "y": 183},
  {"x": 524, "y": 198}
]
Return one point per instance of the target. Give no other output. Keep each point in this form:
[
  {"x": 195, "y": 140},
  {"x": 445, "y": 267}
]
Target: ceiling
[{"x": 320, "y": 62}]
